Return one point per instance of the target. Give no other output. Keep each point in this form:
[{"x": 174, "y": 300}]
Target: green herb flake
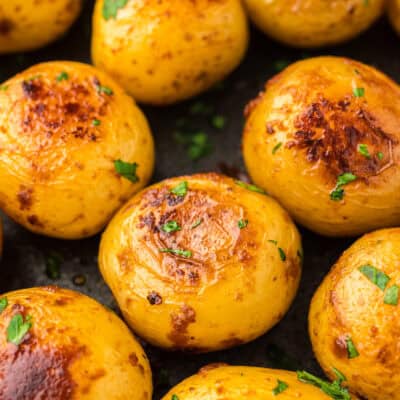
[
  {"x": 53, "y": 262},
  {"x": 282, "y": 254},
  {"x": 275, "y": 242},
  {"x": 174, "y": 397},
  {"x": 333, "y": 389},
  {"x": 127, "y": 170},
  {"x": 197, "y": 223},
  {"x": 250, "y": 187},
  {"x": 111, "y": 7},
  {"x": 171, "y": 226},
  {"x": 96, "y": 122},
  {"x": 242, "y": 223},
  {"x": 280, "y": 387},
  {"x": 351, "y": 349},
  {"x": 180, "y": 189},
  {"x": 3, "y": 88},
  {"x": 178, "y": 252},
  {"x": 392, "y": 296},
  {"x": 18, "y": 328},
  {"x": 366, "y": 3},
  {"x": 276, "y": 147},
  {"x": 363, "y": 150},
  {"x": 104, "y": 89},
  {"x": 280, "y": 65},
  {"x": 201, "y": 108},
  {"x": 199, "y": 147},
  {"x": 376, "y": 276},
  {"x": 300, "y": 254},
  {"x": 359, "y": 92},
  {"x": 218, "y": 121},
  {"x": 62, "y": 76},
  {"x": 343, "y": 179},
  {"x": 3, "y": 304},
  {"x": 380, "y": 156}
]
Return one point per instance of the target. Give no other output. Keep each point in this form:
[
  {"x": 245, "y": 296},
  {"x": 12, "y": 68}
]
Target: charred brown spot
[
  {"x": 231, "y": 342},
  {"x": 209, "y": 367},
  {"x": 133, "y": 359},
  {"x": 180, "y": 322},
  {"x": 32, "y": 90},
  {"x": 34, "y": 220},
  {"x": 252, "y": 105},
  {"x": 24, "y": 197},
  {"x": 154, "y": 298},
  {"x": 6, "y": 26}
]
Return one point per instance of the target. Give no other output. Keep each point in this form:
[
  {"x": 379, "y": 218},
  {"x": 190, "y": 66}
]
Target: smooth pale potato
[
  {"x": 74, "y": 349},
  {"x": 237, "y": 281},
  {"x": 220, "y": 382},
  {"x": 62, "y": 126},
  {"x": 311, "y": 110},
  {"x": 348, "y": 306},
  {"x": 166, "y": 51},
  {"x": 394, "y": 13},
  {"x": 30, "y": 24},
  {"x": 314, "y": 23}
]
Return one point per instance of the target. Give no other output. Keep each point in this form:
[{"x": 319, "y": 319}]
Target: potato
[
  {"x": 69, "y": 141},
  {"x": 30, "y": 24},
  {"x": 162, "y": 52},
  {"x": 314, "y": 23},
  {"x": 59, "y": 344},
  {"x": 187, "y": 256},
  {"x": 354, "y": 318},
  {"x": 394, "y": 13},
  {"x": 323, "y": 139},
  {"x": 220, "y": 382}
]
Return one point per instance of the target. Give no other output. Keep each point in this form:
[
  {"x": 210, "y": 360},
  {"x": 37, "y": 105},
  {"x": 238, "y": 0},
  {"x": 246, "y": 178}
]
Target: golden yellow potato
[
  {"x": 394, "y": 13},
  {"x": 30, "y": 24},
  {"x": 354, "y": 317},
  {"x": 314, "y": 23},
  {"x": 323, "y": 139},
  {"x": 58, "y": 344},
  {"x": 166, "y": 51},
  {"x": 70, "y": 138},
  {"x": 220, "y": 382},
  {"x": 186, "y": 257}
]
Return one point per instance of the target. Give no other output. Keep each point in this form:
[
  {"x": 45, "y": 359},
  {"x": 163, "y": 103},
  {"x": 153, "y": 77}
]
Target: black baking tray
[{"x": 285, "y": 346}]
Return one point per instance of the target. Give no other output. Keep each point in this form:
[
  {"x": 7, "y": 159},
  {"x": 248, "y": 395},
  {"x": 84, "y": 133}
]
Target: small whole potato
[
  {"x": 73, "y": 148},
  {"x": 58, "y": 344},
  {"x": 220, "y": 382},
  {"x": 30, "y": 24},
  {"x": 323, "y": 139},
  {"x": 314, "y": 23},
  {"x": 162, "y": 52},
  {"x": 186, "y": 257},
  {"x": 394, "y": 13},
  {"x": 354, "y": 317}
]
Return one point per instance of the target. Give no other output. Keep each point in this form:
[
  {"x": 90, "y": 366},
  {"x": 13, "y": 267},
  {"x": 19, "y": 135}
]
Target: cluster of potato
[{"x": 185, "y": 257}]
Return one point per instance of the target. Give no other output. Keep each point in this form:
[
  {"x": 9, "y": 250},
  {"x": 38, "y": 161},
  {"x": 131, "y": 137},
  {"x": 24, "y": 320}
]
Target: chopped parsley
[
  {"x": 127, "y": 170},
  {"x": 198, "y": 144},
  {"x": 180, "y": 189},
  {"x": 376, "y": 276},
  {"x": 242, "y": 223},
  {"x": 111, "y": 7},
  {"x": 174, "y": 397},
  {"x": 300, "y": 255},
  {"x": 351, "y": 349},
  {"x": 171, "y": 226},
  {"x": 280, "y": 65},
  {"x": 392, "y": 296},
  {"x": 62, "y": 76},
  {"x": 363, "y": 150},
  {"x": 3, "y": 304},
  {"x": 280, "y": 387},
  {"x": 197, "y": 223},
  {"x": 276, "y": 147},
  {"x": 380, "y": 156},
  {"x": 96, "y": 122},
  {"x": 282, "y": 254},
  {"x": 218, "y": 121},
  {"x": 201, "y": 108},
  {"x": 338, "y": 193},
  {"x": 3, "y": 88},
  {"x": 250, "y": 187},
  {"x": 359, "y": 92},
  {"x": 18, "y": 328},
  {"x": 178, "y": 252},
  {"x": 275, "y": 242},
  {"x": 53, "y": 263},
  {"x": 104, "y": 89}
]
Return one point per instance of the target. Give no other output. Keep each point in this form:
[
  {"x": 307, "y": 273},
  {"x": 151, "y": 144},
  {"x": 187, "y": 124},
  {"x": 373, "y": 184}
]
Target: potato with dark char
[
  {"x": 162, "y": 52},
  {"x": 314, "y": 23},
  {"x": 30, "y": 24},
  {"x": 201, "y": 262},
  {"x": 73, "y": 148},
  {"x": 221, "y": 382},
  {"x": 394, "y": 14},
  {"x": 354, "y": 319},
  {"x": 323, "y": 139},
  {"x": 56, "y": 344}
]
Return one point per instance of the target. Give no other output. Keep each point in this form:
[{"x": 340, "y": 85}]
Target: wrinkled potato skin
[
  {"x": 30, "y": 24},
  {"x": 347, "y": 304},
  {"x": 233, "y": 383},
  {"x": 313, "y": 23},
  {"x": 75, "y": 349},
  {"x": 164, "y": 52},
  {"x": 310, "y": 108},
  {"x": 57, "y": 174},
  {"x": 233, "y": 272},
  {"x": 394, "y": 14}
]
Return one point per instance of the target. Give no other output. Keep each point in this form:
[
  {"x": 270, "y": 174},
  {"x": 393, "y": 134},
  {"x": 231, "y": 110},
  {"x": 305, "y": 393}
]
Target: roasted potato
[
  {"x": 323, "y": 139},
  {"x": 187, "y": 256},
  {"x": 162, "y": 52},
  {"x": 71, "y": 142},
  {"x": 58, "y": 344},
  {"x": 354, "y": 317},
  {"x": 394, "y": 13},
  {"x": 314, "y": 23},
  {"x": 30, "y": 24},
  {"x": 220, "y": 382}
]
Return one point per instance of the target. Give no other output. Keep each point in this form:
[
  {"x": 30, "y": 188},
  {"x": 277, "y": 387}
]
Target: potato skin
[
  {"x": 311, "y": 109},
  {"x": 57, "y": 174},
  {"x": 30, "y": 24},
  {"x": 349, "y": 305},
  {"x": 192, "y": 303},
  {"x": 220, "y": 382},
  {"x": 313, "y": 23},
  {"x": 393, "y": 10},
  {"x": 75, "y": 349},
  {"x": 164, "y": 52}
]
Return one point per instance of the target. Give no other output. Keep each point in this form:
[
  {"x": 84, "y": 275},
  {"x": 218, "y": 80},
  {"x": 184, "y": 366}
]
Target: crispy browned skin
[
  {"x": 312, "y": 112},
  {"x": 193, "y": 302},
  {"x": 75, "y": 349}
]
